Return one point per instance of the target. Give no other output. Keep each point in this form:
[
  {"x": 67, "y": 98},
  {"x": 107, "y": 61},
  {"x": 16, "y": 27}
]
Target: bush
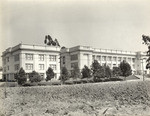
[
  {"x": 75, "y": 72},
  {"x": 116, "y": 71},
  {"x": 56, "y": 82},
  {"x": 30, "y": 84},
  {"x": 69, "y": 82},
  {"x": 97, "y": 79},
  {"x": 64, "y": 74},
  {"x": 125, "y": 68},
  {"x": 77, "y": 81},
  {"x": 87, "y": 80},
  {"x": 34, "y": 77},
  {"x": 86, "y": 72},
  {"x": 108, "y": 71},
  {"x": 112, "y": 79},
  {"x": 21, "y": 77},
  {"x": 50, "y": 74}
]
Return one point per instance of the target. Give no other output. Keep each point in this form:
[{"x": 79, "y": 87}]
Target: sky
[{"x": 107, "y": 24}]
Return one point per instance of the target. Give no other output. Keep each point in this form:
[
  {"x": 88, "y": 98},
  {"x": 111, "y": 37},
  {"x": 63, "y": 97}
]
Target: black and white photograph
[{"x": 75, "y": 58}]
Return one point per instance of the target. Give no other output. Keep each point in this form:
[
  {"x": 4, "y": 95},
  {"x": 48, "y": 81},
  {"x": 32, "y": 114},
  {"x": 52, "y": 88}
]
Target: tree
[
  {"x": 99, "y": 74},
  {"x": 108, "y": 71},
  {"x": 125, "y": 69},
  {"x": 64, "y": 74},
  {"x": 95, "y": 66},
  {"x": 146, "y": 41},
  {"x": 50, "y": 74},
  {"x": 76, "y": 72},
  {"x": 116, "y": 71},
  {"x": 21, "y": 76},
  {"x": 98, "y": 71},
  {"x": 34, "y": 77},
  {"x": 86, "y": 72}
]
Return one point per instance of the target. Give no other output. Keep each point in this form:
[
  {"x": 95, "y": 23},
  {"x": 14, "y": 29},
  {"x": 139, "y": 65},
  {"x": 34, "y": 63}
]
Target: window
[
  {"x": 4, "y": 69},
  {"x": 53, "y": 66},
  {"x": 129, "y": 59},
  {"x": 114, "y": 58},
  {"x": 133, "y": 59},
  {"x": 52, "y": 57},
  {"x": 93, "y": 57},
  {"x": 29, "y": 56},
  {"x": 41, "y": 57},
  {"x": 16, "y": 67},
  {"x": 63, "y": 59},
  {"x": 114, "y": 65},
  {"x": 124, "y": 58},
  {"x": 7, "y": 59},
  {"x": 4, "y": 61},
  {"x": 119, "y": 59},
  {"x": 16, "y": 57},
  {"x": 74, "y": 64},
  {"x": 41, "y": 66},
  {"x": 99, "y": 58},
  {"x": 29, "y": 66},
  {"x": 104, "y": 58},
  {"x": 74, "y": 57},
  {"x": 109, "y": 58}
]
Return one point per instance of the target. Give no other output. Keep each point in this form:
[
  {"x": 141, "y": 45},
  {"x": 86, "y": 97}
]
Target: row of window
[
  {"x": 74, "y": 57},
  {"x": 41, "y": 57},
  {"x": 114, "y": 65},
  {"x": 6, "y": 60},
  {"x": 16, "y": 67},
  {"x": 110, "y": 58},
  {"x": 30, "y": 57},
  {"x": 16, "y": 58},
  {"x": 29, "y": 66}
]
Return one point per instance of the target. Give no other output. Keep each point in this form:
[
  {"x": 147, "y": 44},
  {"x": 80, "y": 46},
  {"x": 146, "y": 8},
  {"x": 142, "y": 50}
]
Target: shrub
[
  {"x": 75, "y": 72},
  {"x": 64, "y": 74},
  {"x": 21, "y": 76},
  {"x": 125, "y": 68},
  {"x": 86, "y": 72},
  {"x": 69, "y": 82},
  {"x": 108, "y": 72},
  {"x": 113, "y": 79},
  {"x": 79, "y": 81},
  {"x": 98, "y": 71},
  {"x": 50, "y": 74},
  {"x": 30, "y": 84},
  {"x": 116, "y": 71},
  {"x": 34, "y": 77}
]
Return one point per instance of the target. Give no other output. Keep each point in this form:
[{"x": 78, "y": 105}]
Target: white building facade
[
  {"x": 39, "y": 58},
  {"x": 31, "y": 58},
  {"x": 85, "y": 55}
]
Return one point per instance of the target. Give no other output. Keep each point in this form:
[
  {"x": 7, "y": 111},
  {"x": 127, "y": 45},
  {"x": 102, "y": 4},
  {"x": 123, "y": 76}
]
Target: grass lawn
[{"x": 107, "y": 98}]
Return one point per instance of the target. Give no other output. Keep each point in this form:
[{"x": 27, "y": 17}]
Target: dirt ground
[{"x": 130, "y": 98}]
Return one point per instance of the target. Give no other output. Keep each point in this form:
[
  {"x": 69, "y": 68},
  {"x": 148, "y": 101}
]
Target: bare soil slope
[{"x": 95, "y": 99}]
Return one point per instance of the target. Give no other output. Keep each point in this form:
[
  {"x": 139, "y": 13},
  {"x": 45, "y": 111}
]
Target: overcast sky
[{"x": 108, "y": 24}]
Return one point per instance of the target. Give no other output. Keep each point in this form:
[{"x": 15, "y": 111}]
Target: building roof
[
  {"x": 99, "y": 50},
  {"x": 31, "y": 47}
]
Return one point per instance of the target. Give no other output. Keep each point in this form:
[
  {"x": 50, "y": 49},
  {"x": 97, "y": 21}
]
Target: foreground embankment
[{"x": 109, "y": 98}]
